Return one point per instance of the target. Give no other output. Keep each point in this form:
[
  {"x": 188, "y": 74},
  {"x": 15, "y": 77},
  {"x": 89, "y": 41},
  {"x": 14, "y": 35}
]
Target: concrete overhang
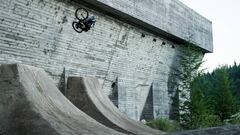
[{"x": 169, "y": 18}]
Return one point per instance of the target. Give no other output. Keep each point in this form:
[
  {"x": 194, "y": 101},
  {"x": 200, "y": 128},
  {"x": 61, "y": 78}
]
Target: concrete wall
[
  {"x": 169, "y": 18},
  {"x": 40, "y": 33}
]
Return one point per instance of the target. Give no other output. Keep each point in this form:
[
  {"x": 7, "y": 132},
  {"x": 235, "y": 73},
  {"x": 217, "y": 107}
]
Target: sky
[{"x": 225, "y": 17}]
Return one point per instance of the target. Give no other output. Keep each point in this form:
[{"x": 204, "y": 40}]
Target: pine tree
[
  {"x": 201, "y": 116},
  {"x": 234, "y": 75},
  {"x": 222, "y": 100},
  {"x": 197, "y": 106}
]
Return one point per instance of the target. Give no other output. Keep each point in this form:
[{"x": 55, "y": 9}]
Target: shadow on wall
[
  {"x": 147, "y": 113},
  {"x": 172, "y": 89},
  {"x": 113, "y": 96},
  {"x": 62, "y": 82}
]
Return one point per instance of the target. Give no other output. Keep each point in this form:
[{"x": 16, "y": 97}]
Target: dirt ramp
[
  {"x": 31, "y": 104},
  {"x": 87, "y": 95}
]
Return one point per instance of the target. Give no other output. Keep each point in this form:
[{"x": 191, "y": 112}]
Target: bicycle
[{"x": 84, "y": 22}]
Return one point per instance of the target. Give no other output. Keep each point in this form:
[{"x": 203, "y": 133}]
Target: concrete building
[{"x": 133, "y": 48}]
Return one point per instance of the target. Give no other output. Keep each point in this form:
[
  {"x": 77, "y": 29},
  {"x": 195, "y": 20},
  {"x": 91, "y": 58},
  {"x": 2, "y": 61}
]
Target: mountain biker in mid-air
[
  {"x": 84, "y": 22},
  {"x": 89, "y": 23}
]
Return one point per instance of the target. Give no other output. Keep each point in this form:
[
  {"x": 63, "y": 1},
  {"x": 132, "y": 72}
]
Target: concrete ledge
[
  {"x": 168, "y": 18},
  {"x": 224, "y": 130}
]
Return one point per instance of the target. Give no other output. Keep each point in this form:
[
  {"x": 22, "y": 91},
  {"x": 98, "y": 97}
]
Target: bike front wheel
[{"x": 81, "y": 14}]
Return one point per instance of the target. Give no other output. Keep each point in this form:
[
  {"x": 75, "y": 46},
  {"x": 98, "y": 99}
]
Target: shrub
[
  {"x": 165, "y": 125},
  {"x": 234, "y": 119},
  {"x": 212, "y": 121}
]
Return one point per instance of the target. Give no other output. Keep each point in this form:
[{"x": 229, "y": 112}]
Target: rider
[{"x": 89, "y": 22}]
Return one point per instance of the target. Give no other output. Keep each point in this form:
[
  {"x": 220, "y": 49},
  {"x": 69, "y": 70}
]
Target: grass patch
[{"x": 165, "y": 125}]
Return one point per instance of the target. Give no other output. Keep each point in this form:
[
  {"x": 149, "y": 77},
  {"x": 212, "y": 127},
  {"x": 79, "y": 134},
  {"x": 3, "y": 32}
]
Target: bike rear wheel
[{"x": 77, "y": 27}]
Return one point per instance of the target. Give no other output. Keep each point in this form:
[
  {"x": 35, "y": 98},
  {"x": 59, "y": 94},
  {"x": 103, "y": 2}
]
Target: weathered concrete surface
[
  {"x": 170, "y": 18},
  {"x": 161, "y": 102},
  {"x": 132, "y": 96},
  {"x": 39, "y": 33},
  {"x": 35, "y": 32},
  {"x": 224, "y": 130},
  {"x": 87, "y": 95},
  {"x": 30, "y": 104}
]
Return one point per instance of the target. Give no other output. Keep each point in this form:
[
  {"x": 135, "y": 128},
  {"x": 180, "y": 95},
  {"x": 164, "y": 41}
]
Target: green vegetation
[
  {"x": 206, "y": 99},
  {"x": 203, "y": 99},
  {"x": 192, "y": 109},
  {"x": 219, "y": 94},
  {"x": 165, "y": 125},
  {"x": 221, "y": 98}
]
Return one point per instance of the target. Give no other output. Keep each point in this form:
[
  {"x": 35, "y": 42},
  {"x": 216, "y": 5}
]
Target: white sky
[{"x": 225, "y": 15}]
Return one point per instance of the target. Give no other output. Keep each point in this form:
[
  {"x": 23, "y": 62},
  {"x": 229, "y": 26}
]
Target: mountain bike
[{"x": 84, "y": 22}]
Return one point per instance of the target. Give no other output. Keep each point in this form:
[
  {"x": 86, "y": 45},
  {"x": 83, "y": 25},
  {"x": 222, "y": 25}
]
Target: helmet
[{"x": 93, "y": 18}]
